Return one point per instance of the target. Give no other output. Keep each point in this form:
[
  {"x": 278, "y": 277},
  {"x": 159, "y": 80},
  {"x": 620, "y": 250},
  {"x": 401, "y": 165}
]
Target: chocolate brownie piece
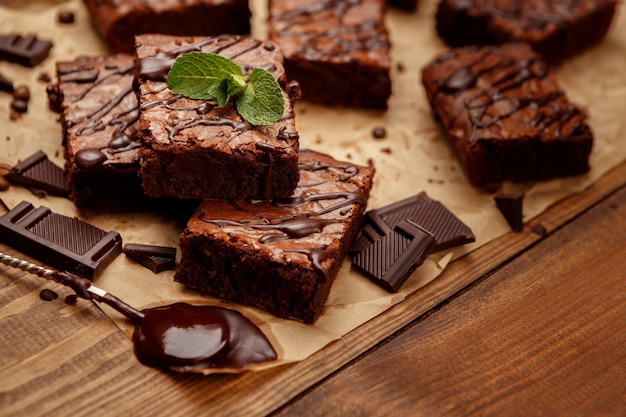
[
  {"x": 99, "y": 116},
  {"x": 281, "y": 255},
  {"x": 556, "y": 29},
  {"x": 337, "y": 51},
  {"x": 193, "y": 149},
  {"x": 505, "y": 115},
  {"x": 118, "y": 21}
]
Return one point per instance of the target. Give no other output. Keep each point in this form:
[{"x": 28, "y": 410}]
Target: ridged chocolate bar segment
[
  {"x": 39, "y": 172},
  {"x": 27, "y": 50},
  {"x": 65, "y": 243},
  {"x": 447, "y": 230},
  {"x": 392, "y": 259}
]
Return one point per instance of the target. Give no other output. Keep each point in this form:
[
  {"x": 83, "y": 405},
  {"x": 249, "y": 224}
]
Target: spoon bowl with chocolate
[{"x": 179, "y": 336}]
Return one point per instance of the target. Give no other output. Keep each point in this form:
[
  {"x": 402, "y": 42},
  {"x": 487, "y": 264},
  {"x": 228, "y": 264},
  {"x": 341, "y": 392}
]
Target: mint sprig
[{"x": 207, "y": 76}]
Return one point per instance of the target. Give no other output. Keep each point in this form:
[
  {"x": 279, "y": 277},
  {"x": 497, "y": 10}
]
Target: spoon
[{"x": 178, "y": 336}]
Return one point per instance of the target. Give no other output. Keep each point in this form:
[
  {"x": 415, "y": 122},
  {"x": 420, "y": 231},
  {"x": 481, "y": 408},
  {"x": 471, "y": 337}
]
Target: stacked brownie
[
  {"x": 275, "y": 223},
  {"x": 118, "y": 21},
  {"x": 194, "y": 149},
  {"x": 279, "y": 254},
  {"x": 337, "y": 51},
  {"x": 556, "y": 29}
]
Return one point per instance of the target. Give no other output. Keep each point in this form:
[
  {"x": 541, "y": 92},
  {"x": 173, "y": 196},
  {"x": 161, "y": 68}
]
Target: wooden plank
[
  {"x": 115, "y": 384},
  {"x": 542, "y": 335}
]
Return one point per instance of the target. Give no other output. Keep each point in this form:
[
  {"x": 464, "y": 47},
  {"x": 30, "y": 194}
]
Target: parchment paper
[{"x": 412, "y": 158}]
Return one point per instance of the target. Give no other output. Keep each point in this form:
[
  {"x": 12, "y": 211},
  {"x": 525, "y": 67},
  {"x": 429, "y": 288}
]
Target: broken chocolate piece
[
  {"x": 447, "y": 230},
  {"x": 38, "y": 171},
  {"x": 65, "y": 243},
  {"x": 390, "y": 260},
  {"x": 6, "y": 84},
  {"x": 27, "y": 50},
  {"x": 155, "y": 258},
  {"x": 510, "y": 205}
]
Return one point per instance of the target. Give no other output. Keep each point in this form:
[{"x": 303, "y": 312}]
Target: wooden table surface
[{"x": 529, "y": 324}]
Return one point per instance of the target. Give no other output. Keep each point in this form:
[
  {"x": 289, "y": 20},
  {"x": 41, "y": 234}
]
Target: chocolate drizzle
[
  {"x": 489, "y": 103},
  {"x": 120, "y": 112},
  {"x": 302, "y": 213},
  {"x": 315, "y": 45}
]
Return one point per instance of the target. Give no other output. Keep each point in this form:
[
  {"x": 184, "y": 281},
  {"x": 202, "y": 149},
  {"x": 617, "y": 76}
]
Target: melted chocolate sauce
[{"x": 185, "y": 337}]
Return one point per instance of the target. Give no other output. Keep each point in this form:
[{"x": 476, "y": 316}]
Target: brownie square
[
  {"x": 193, "y": 149},
  {"x": 118, "y": 21},
  {"x": 556, "y": 29},
  {"x": 99, "y": 116},
  {"x": 283, "y": 254},
  {"x": 337, "y": 51},
  {"x": 504, "y": 113}
]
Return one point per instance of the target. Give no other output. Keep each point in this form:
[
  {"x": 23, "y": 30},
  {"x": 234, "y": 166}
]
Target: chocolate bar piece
[
  {"x": 510, "y": 205},
  {"x": 447, "y": 230},
  {"x": 39, "y": 172},
  {"x": 396, "y": 239},
  {"x": 390, "y": 260},
  {"x": 65, "y": 243},
  {"x": 27, "y": 51},
  {"x": 155, "y": 258},
  {"x": 6, "y": 84}
]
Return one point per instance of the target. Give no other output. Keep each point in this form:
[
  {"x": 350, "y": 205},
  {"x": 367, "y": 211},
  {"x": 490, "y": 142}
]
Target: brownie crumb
[
  {"x": 44, "y": 77},
  {"x": 4, "y": 184}
]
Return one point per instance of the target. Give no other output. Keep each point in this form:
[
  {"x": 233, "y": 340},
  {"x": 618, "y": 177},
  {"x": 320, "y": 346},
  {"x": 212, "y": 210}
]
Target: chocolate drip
[
  {"x": 534, "y": 16},
  {"x": 350, "y": 170}
]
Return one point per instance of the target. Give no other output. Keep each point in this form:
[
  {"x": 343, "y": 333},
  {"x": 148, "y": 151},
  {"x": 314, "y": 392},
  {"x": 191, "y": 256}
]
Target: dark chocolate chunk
[
  {"x": 447, "y": 230},
  {"x": 65, "y": 243},
  {"x": 379, "y": 132},
  {"x": 390, "y": 260},
  {"x": 510, "y": 205},
  {"x": 38, "y": 171},
  {"x": 6, "y": 84},
  {"x": 27, "y": 50},
  {"x": 155, "y": 258}
]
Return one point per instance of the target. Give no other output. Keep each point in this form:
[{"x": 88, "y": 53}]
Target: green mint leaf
[
  {"x": 206, "y": 76},
  {"x": 262, "y": 102}
]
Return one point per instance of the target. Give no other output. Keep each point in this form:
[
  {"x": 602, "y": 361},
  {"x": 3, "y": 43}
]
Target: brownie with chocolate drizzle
[
  {"x": 99, "y": 117},
  {"x": 556, "y": 29},
  {"x": 118, "y": 21},
  {"x": 337, "y": 50},
  {"x": 282, "y": 254},
  {"x": 194, "y": 149},
  {"x": 505, "y": 114}
]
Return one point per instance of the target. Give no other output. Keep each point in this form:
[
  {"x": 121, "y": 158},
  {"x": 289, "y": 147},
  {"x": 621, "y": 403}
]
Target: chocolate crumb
[
  {"x": 5, "y": 84},
  {"x": 21, "y": 92},
  {"x": 66, "y": 17},
  {"x": 400, "y": 67},
  {"x": 48, "y": 295},
  {"x": 44, "y": 77},
  {"x": 71, "y": 299},
  {"x": 379, "y": 132},
  {"x": 386, "y": 150},
  {"x": 20, "y": 106},
  {"x": 538, "y": 229},
  {"x": 4, "y": 184}
]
